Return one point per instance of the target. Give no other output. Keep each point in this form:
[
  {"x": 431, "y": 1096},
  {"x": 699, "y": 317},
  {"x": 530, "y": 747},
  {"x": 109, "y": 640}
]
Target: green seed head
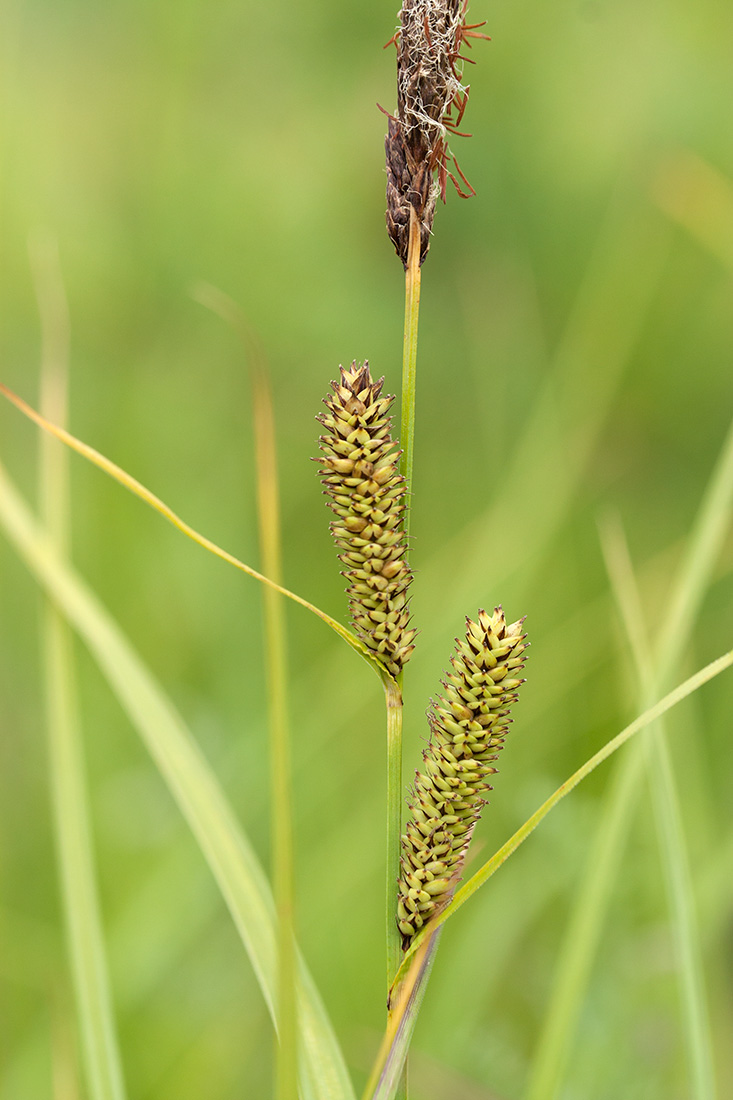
[
  {"x": 367, "y": 496},
  {"x": 468, "y": 724}
]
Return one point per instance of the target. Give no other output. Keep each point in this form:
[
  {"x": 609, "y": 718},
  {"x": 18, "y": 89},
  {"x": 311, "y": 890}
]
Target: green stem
[
  {"x": 268, "y": 519},
  {"x": 393, "y": 698},
  {"x": 68, "y": 782},
  {"x": 268, "y": 510},
  {"x": 282, "y": 858},
  {"x": 84, "y": 932},
  {"x": 578, "y": 951},
  {"x": 388, "y": 1079},
  {"x": 394, "y": 692},
  {"x": 673, "y": 843},
  {"x": 409, "y": 360}
]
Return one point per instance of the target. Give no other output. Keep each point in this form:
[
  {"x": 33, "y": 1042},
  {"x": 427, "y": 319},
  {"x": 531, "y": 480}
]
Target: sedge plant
[{"x": 366, "y": 468}]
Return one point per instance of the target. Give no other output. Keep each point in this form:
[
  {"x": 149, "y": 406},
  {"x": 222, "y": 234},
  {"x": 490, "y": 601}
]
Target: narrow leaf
[
  {"x": 275, "y": 652},
  {"x": 673, "y": 843},
  {"x": 699, "y": 197},
  {"x": 155, "y": 502},
  {"x": 581, "y": 939},
  {"x": 492, "y": 865},
  {"x": 194, "y": 786},
  {"x": 407, "y": 996},
  {"x": 71, "y": 816}
]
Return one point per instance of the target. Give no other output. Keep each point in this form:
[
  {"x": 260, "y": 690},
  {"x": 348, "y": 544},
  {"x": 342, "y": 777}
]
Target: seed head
[
  {"x": 468, "y": 724},
  {"x": 430, "y": 103},
  {"x": 367, "y": 494}
]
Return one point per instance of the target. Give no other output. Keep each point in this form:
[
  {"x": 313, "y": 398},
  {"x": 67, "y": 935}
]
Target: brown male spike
[{"x": 431, "y": 101}]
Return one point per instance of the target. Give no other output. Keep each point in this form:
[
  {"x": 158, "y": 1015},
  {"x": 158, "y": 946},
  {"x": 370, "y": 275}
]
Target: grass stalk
[
  {"x": 394, "y": 708},
  {"x": 673, "y": 845},
  {"x": 71, "y": 815},
  {"x": 276, "y": 663},
  {"x": 192, "y": 783},
  {"x": 545, "y": 466},
  {"x": 409, "y": 360},
  {"x": 577, "y": 952},
  {"x": 286, "y": 1075},
  {"x": 139, "y": 490},
  {"x": 393, "y": 698},
  {"x": 685, "y": 927},
  {"x": 705, "y": 544},
  {"x": 388, "y": 1079},
  {"x": 581, "y": 937}
]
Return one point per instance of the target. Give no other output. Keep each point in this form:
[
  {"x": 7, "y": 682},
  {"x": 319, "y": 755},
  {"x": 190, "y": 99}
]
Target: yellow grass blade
[
  {"x": 139, "y": 490},
  {"x": 387, "y": 1077}
]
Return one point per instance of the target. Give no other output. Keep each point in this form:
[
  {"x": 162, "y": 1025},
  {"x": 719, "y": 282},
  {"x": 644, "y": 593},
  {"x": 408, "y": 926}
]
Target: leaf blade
[
  {"x": 67, "y": 772},
  {"x": 489, "y": 868},
  {"x": 233, "y": 862},
  {"x": 583, "y": 931},
  {"x": 672, "y": 840},
  {"x": 148, "y": 497}
]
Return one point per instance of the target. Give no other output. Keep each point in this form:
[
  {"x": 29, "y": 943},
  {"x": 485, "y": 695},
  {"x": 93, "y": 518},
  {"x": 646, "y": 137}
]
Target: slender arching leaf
[
  {"x": 102, "y": 1061},
  {"x": 673, "y": 842},
  {"x": 140, "y": 490},
  {"x": 492, "y": 865},
  {"x": 581, "y": 940},
  {"x": 194, "y": 786},
  {"x": 387, "y": 1073}
]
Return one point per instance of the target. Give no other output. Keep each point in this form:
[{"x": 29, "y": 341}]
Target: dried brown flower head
[{"x": 431, "y": 100}]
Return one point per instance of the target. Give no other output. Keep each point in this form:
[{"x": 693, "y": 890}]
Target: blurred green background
[{"x": 575, "y": 361}]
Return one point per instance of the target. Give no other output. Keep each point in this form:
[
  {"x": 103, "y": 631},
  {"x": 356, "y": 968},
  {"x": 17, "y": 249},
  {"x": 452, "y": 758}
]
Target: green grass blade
[
  {"x": 580, "y": 941},
  {"x": 709, "y": 672},
  {"x": 697, "y": 196},
  {"x": 387, "y": 1079},
  {"x": 139, "y": 490},
  {"x": 545, "y": 467},
  {"x": 395, "y": 794},
  {"x": 685, "y": 924},
  {"x": 85, "y": 937},
  {"x": 323, "y": 1074},
  {"x": 393, "y": 696},
  {"x": 226, "y": 308},
  {"x": 275, "y": 650},
  {"x": 286, "y": 1073},
  {"x": 71, "y": 815},
  {"x": 703, "y": 550},
  {"x": 670, "y": 827},
  {"x": 578, "y": 950}
]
